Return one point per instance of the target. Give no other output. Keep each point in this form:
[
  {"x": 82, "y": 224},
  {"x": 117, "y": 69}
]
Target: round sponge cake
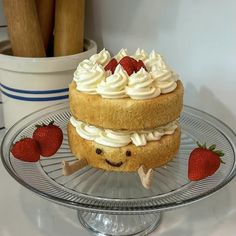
[
  {"x": 126, "y": 113},
  {"x": 127, "y": 158}
]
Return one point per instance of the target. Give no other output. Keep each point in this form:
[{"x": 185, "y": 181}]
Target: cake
[{"x": 125, "y": 113}]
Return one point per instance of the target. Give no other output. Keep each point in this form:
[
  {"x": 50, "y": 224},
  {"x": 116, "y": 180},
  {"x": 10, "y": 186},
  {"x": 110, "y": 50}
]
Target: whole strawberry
[
  {"x": 49, "y": 138},
  {"x": 27, "y": 149},
  {"x": 204, "y": 162}
]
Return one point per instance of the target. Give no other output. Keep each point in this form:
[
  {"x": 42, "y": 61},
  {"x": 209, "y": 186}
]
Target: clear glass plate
[{"x": 102, "y": 191}]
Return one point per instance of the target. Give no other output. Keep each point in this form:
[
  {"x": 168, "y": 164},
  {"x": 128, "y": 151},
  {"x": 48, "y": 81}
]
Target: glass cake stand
[{"x": 110, "y": 203}]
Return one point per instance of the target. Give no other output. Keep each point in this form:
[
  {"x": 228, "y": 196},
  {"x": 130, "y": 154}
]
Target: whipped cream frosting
[
  {"x": 116, "y": 139},
  {"x": 88, "y": 75},
  {"x": 114, "y": 85},
  {"x": 140, "y": 54},
  {"x": 122, "y": 53},
  {"x": 92, "y": 78},
  {"x": 141, "y": 86},
  {"x": 101, "y": 58}
]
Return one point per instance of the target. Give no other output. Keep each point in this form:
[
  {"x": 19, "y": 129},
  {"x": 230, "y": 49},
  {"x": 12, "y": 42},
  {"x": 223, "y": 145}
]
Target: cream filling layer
[{"x": 116, "y": 139}]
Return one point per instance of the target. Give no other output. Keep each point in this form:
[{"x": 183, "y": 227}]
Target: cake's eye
[
  {"x": 128, "y": 153},
  {"x": 98, "y": 151}
]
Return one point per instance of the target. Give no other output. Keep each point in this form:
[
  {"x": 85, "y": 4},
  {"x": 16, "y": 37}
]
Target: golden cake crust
[
  {"x": 153, "y": 154},
  {"x": 126, "y": 113}
]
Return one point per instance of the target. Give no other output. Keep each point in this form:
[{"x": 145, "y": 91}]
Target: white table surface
[{"x": 23, "y": 213}]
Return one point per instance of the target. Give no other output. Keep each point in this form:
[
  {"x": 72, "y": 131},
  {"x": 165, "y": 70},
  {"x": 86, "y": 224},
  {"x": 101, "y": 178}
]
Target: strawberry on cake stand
[{"x": 114, "y": 203}]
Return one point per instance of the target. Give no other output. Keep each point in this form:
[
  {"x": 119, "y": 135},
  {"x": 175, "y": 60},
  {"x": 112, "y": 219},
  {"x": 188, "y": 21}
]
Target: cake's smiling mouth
[{"x": 114, "y": 164}]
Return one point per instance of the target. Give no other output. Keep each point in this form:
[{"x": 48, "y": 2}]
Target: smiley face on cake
[{"x": 125, "y": 113}]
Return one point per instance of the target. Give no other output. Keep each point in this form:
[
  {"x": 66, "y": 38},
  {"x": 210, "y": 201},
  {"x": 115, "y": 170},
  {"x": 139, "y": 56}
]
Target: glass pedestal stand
[
  {"x": 108, "y": 224},
  {"x": 113, "y": 203}
]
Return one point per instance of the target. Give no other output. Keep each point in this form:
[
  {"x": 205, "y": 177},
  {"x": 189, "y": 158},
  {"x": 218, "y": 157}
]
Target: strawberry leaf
[
  {"x": 222, "y": 161},
  {"x": 51, "y": 122},
  {"x": 219, "y": 152},
  {"x": 199, "y": 145},
  {"x": 212, "y": 147}
]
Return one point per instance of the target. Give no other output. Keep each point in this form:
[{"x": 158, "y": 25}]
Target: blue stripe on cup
[
  {"x": 35, "y": 95},
  {"x": 34, "y": 91}
]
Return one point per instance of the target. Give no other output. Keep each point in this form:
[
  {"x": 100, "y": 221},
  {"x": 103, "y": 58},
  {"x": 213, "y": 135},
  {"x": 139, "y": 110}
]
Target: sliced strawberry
[
  {"x": 26, "y": 149},
  {"x": 140, "y": 65},
  {"x": 111, "y": 65},
  {"x": 133, "y": 61},
  {"x": 127, "y": 64}
]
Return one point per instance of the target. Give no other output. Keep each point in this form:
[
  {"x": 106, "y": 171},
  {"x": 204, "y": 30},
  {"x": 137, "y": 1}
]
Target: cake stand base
[{"x": 122, "y": 225}]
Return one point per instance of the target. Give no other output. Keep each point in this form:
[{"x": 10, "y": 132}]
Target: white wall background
[{"x": 197, "y": 38}]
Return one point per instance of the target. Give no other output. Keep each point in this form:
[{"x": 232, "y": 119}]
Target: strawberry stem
[
  {"x": 51, "y": 122},
  {"x": 211, "y": 148}
]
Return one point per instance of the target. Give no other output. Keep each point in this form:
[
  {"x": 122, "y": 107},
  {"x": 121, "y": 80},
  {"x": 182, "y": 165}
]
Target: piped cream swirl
[
  {"x": 122, "y": 53},
  {"x": 140, "y": 54},
  {"x": 164, "y": 78},
  {"x": 114, "y": 85},
  {"x": 153, "y": 60},
  {"x": 141, "y": 86},
  {"x": 113, "y": 138},
  {"x": 87, "y": 76},
  {"x": 102, "y": 58}
]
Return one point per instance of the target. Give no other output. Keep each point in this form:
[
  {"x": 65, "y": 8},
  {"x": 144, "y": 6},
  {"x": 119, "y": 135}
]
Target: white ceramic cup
[{"x": 29, "y": 84}]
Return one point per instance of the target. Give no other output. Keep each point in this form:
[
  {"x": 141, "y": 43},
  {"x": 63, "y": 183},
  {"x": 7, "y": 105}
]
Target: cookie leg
[
  {"x": 68, "y": 169},
  {"x": 145, "y": 176}
]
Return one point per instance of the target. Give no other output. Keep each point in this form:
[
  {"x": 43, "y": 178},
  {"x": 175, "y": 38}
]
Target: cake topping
[
  {"x": 163, "y": 77},
  {"x": 113, "y": 138},
  {"x": 122, "y": 53},
  {"x": 114, "y": 85},
  {"x": 153, "y": 60},
  {"x": 94, "y": 75},
  {"x": 111, "y": 66},
  {"x": 128, "y": 65},
  {"x": 88, "y": 76},
  {"x": 139, "y": 65},
  {"x": 140, "y": 54},
  {"x": 141, "y": 86},
  {"x": 102, "y": 57}
]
